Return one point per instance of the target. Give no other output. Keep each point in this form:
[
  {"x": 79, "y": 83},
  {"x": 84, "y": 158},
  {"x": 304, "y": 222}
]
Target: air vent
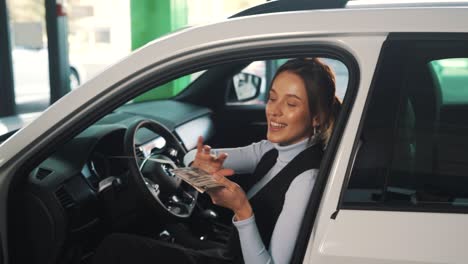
[
  {"x": 64, "y": 198},
  {"x": 42, "y": 173}
]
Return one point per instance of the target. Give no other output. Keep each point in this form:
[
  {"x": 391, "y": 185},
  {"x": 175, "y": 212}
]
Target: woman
[{"x": 301, "y": 111}]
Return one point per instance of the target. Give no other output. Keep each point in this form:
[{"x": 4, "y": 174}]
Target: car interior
[
  {"x": 104, "y": 180},
  {"x": 413, "y": 149}
]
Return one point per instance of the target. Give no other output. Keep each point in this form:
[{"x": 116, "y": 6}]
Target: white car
[{"x": 393, "y": 185}]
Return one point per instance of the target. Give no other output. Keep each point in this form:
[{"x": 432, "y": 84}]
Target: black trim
[
  {"x": 392, "y": 38},
  {"x": 427, "y": 36},
  {"x": 7, "y": 90},
  {"x": 354, "y": 151},
  {"x": 1, "y": 249},
  {"x": 7, "y": 135},
  {"x": 315, "y": 199},
  {"x": 334, "y": 215},
  {"x": 291, "y": 5},
  {"x": 419, "y": 209}
]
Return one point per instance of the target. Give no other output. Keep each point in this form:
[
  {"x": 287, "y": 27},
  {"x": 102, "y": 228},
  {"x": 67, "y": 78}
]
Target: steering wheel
[{"x": 161, "y": 189}]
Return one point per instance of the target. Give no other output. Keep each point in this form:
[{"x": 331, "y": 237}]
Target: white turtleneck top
[{"x": 244, "y": 160}]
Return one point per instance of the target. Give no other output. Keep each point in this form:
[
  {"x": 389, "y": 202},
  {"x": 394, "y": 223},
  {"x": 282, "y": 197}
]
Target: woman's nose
[{"x": 274, "y": 110}]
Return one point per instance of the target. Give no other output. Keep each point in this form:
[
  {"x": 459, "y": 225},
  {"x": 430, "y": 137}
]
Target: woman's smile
[{"x": 276, "y": 126}]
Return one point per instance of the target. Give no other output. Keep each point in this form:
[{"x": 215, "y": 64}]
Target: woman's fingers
[
  {"x": 199, "y": 144},
  {"x": 206, "y": 149},
  {"x": 224, "y": 172},
  {"x": 222, "y": 157},
  {"x": 207, "y": 161},
  {"x": 202, "y": 149}
]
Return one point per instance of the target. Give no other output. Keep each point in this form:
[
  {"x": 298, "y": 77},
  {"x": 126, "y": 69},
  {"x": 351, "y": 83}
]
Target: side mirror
[{"x": 245, "y": 87}]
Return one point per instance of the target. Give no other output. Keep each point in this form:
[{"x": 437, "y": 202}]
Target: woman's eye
[
  {"x": 292, "y": 105},
  {"x": 271, "y": 99}
]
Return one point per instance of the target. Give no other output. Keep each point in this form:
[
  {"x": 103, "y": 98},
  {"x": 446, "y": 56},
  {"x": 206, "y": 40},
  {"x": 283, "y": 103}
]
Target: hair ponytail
[{"x": 333, "y": 116}]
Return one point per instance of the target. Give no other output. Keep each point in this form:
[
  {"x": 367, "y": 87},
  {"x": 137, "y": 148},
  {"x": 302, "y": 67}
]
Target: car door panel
[
  {"x": 368, "y": 49},
  {"x": 391, "y": 224},
  {"x": 394, "y": 237}
]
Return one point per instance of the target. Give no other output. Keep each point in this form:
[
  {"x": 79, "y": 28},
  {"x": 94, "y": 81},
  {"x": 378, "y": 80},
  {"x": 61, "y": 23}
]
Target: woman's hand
[
  {"x": 231, "y": 196},
  {"x": 205, "y": 160}
]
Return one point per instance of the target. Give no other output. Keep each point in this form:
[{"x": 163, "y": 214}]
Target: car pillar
[
  {"x": 7, "y": 91},
  {"x": 57, "y": 35}
]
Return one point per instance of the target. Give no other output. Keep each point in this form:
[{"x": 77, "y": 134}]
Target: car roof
[
  {"x": 279, "y": 6},
  {"x": 405, "y": 3}
]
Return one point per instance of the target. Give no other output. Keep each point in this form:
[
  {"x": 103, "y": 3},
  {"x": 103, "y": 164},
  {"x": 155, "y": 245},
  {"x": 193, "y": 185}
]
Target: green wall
[{"x": 151, "y": 19}]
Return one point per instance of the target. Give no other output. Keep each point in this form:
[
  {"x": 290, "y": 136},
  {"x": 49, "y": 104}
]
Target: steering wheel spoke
[{"x": 159, "y": 187}]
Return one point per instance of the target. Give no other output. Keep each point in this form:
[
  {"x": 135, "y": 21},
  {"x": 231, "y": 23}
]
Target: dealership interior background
[{"x": 48, "y": 47}]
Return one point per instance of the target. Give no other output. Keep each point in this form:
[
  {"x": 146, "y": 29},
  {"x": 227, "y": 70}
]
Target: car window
[
  {"x": 413, "y": 148},
  {"x": 261, "y": 73},
  {"x": 168, "y": 90},
  {"x": 452, "y": 77}
]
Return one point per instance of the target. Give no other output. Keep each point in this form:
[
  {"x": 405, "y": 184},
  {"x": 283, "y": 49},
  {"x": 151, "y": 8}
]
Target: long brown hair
[{"x": 319, "y": 81}]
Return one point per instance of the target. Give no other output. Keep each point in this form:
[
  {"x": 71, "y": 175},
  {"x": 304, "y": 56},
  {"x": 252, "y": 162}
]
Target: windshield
[{"x": 168, "y": 90}]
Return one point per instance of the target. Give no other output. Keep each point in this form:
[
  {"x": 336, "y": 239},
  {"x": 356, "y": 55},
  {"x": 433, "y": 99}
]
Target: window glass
[
  {"x": 341, "y": 76},
  {"x": 248, "y": 87},
  {"x": 261, "y": 73},
  {"x": 168, "y": 90},
  {"x": 413, "y": 150},
  {"x": 29, "y": 55},
  {"x": 452, "y": 77}
]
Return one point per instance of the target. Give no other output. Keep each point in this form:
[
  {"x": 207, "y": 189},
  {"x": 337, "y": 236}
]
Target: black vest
[{"x": 268, "y": 202}]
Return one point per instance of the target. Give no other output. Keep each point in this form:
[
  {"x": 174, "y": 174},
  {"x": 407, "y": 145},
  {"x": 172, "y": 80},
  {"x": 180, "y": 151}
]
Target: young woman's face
[{"x": 287, "y": 110}]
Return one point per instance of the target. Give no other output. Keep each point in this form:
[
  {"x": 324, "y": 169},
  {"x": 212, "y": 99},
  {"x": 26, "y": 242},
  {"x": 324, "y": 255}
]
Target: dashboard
[{"x": 67, "y": 184}]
